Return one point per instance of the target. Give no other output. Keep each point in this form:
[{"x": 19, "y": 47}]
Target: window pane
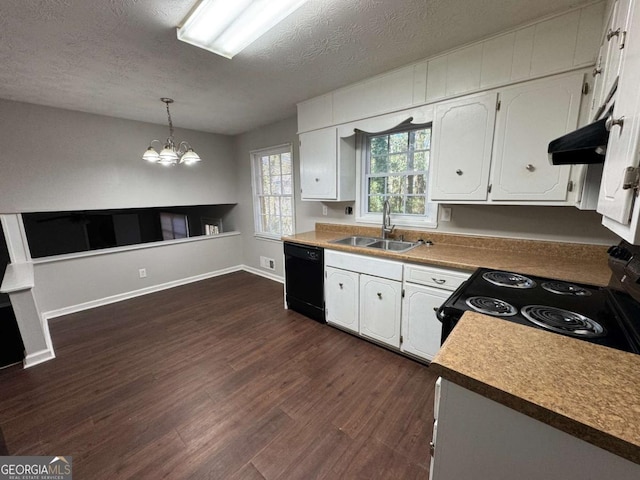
[
  {"x": 286, "y": 206},
  {"x": 396, "y": 204},
  {"x": 375, "y": 203},
  {"x": 275, "y": 165},
  {"x": 416, "y": 205},
  {"x": 287, "y": 184},
  {"x": 395, "y": 184},
  {"x": 416, "y": 184},
  {"x": 376, "y": 185},
  {"x": 398, "y": 142},
  {"x": 276, "y": 185},
  {"x": 379, "y": 164},
  {"x": 422, "y": 139},
  {"x": 420, "y": 161},
  {"x": 398, "y": 163},
  {"x": 266, "y": 185},
  {"x": 285, "y": 160},
  {"x": 379, "y": 145},
  {"x": 287, "y": 226}
]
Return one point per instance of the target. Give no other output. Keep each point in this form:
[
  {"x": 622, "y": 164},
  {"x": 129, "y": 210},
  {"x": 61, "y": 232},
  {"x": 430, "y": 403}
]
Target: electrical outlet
[
  {"x": 445, "y": 214},
  {"x": 142, "y": 272},
  {"x": 272, "y": 264},
  {"x": 324, "y": 210}
]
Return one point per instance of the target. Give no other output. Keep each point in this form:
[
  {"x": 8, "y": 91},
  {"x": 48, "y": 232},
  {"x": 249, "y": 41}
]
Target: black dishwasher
[{"x": 304, "y": 273}]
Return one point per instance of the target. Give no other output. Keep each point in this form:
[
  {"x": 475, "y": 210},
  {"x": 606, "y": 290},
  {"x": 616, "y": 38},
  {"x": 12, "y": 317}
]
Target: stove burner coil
[
  {"x": 508, "y": 279},
  {"x": 563, "y": 321},
  {"x": 564, "y": 288},
  {"x": 491, "y": 306}
]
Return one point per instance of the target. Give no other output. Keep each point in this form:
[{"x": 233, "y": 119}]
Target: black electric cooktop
[{"x": 584, "y": 312}]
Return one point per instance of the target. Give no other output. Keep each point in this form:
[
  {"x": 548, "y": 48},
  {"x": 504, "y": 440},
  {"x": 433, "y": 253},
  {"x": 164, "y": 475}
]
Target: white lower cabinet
[
  {"x": 341, "y": 289},
  {"x": 421, "y": 330},
  {"x": 380, "y": 307},
  {"x": 388, "y": 302}
]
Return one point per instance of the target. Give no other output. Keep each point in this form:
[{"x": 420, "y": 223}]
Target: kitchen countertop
[
  {"x": 589, "y": 391},
  {"x": 563, "y": 261}
]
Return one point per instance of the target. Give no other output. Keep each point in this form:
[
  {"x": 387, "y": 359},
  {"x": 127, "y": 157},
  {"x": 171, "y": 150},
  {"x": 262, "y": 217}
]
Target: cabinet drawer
[
  {"x": 434, "y": 277},
  {"x": 364, "y": 264}
]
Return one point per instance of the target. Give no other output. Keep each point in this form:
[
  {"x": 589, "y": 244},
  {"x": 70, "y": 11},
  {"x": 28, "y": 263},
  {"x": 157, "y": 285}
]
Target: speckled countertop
[
  {"x": 563, "y": 261},
  {"x": 586, "y": 390}
]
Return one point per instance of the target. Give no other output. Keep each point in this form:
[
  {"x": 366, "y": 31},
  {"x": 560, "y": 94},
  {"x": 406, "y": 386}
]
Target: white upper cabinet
[
  {"x": 327, "y": 166},
  {"x": 618, "y": 192},
  {"x": 479, "y": 155},
  {"x": 530, "y": 116},
  {"x": 461, "y": 148}
]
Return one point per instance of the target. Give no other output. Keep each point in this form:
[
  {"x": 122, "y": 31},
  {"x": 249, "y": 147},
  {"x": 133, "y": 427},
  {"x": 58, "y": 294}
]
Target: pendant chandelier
[{"x": 171, "y": 154}]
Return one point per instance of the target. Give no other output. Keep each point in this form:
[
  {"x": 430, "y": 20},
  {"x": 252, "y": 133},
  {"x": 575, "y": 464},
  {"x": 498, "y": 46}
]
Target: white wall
[
  {"x": 73, "y": 282},
  {"x": 563, "y": 224},
  {"x": 54, "y": 159}
]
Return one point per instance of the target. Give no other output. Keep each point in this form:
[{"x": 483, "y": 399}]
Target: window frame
[
  {"x": 255, "y": 155},
  {"x": 429, "y": 220}
]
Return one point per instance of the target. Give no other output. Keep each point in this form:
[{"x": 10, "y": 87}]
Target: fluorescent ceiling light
[{"x": 226, "y": 27}]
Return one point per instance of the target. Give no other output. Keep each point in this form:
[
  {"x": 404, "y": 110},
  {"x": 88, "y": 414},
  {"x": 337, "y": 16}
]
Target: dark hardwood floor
[{"x": 215, "y": 380}]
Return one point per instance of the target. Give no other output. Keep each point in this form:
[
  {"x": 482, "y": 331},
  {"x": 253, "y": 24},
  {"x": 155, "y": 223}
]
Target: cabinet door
[
  {"x": 318, "y": 164},
  {"x": 615, "y": 202},
  {"x": 341, "y": 298},
  {"x": 530, "y": 116},
  {"x": 461, "y": 148},
  {"x": 612, "y": 43},
  {"x": 421, "y": 329},
  {"x": 380, "y": 304}
]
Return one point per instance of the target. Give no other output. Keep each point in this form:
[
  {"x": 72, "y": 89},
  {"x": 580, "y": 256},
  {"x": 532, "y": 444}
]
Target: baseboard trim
[
  {"x": 262, "y": 273},
  {"x": 36, "y": 358},
  {"x": 136, "y": 293},
  {"x": 155, "y": 288}
]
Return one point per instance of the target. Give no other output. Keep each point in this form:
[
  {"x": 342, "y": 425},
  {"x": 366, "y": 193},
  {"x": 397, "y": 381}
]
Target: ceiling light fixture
[
  {"x": 171, "y": 155},
  {"x": 227, "y": 27}
]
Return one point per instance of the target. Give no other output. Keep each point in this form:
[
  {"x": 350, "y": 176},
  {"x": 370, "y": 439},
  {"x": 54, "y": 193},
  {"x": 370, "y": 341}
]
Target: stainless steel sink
[
  {"x": 371, "y": 242},
  {"x": 355, "y": 241},
  {"x": 393, "y": 245}
]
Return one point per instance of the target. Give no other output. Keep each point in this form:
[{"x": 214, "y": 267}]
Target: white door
[
  {"x": 341, "y": 298},
  {"x": 461, "y": 148},
  {"x": 530, "y": 116},
  {"x": 318, "y": 164},
  {"x": 421, "y": 329},
  {"x": 613, "y": 40},
  {"x": 380, "y": 306},
  {"x": 615, "y": 202}
]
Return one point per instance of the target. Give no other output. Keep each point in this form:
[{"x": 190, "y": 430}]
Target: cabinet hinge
[
  {"x": 570, "y": 186},
  {"x": 401, "y": 339},
  {"x": 403, "y": 293},
  {"x": 498, "y": 104},
  {"x": 631, "y": 178},
  {"x": 585, "y": 88},
  {"x": 623, "y": 38},
  {"x": 489, "y": 188}
]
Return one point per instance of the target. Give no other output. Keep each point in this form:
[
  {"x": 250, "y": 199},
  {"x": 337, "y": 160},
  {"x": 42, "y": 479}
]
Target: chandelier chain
[{"x": 170, "y": 122}]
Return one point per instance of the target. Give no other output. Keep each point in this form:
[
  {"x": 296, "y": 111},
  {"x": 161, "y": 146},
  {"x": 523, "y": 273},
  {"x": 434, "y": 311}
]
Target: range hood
[{"x": 585, "y": 145}]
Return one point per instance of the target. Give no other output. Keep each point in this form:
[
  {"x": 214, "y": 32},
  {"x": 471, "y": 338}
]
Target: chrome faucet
[{"x": 387, "y": 228}]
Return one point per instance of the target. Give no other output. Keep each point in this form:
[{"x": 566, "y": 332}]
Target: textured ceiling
[{"x": 118, "y": 57}]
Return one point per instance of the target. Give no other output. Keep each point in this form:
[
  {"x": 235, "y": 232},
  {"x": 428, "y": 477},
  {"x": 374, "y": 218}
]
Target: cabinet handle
[
  {"x": 340, "y": 286},
  {"x": 439, "y": 281},
  {"x": 611, "y": 122},
  {"x": 530, "y": 167},
  {"x": 459, "y": 172},
  {"x": 380, "y": 295},
  {"x": 435, "y": 309},
  {"x": 317, "y": 179},
  {"x": 597, "y": 71},
  {"x": 612, "y": 33}
]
